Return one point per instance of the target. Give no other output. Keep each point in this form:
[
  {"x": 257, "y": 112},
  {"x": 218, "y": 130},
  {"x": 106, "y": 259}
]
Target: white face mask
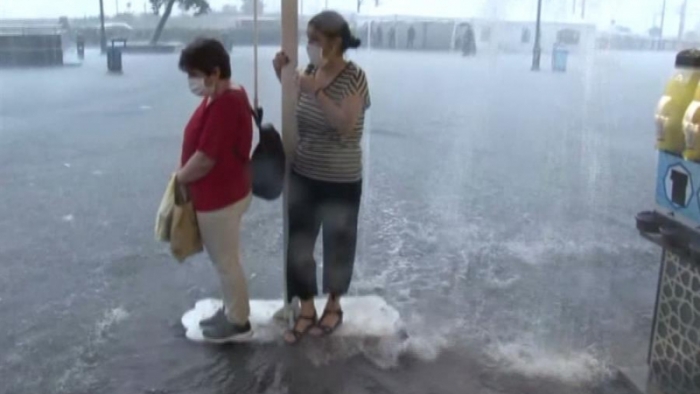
[
  {"x": 315, "y": 54},
  {"x": 198, "y": 87}
]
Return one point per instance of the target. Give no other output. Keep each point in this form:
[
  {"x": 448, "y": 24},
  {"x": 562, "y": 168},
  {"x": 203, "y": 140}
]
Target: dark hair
[
  {"x": 332, "y": 24},
  {"x": 205, "y": 55}
]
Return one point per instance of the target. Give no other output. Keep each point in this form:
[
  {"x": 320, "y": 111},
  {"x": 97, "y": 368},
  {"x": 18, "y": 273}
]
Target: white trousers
[{"x": 221, "y": 232}]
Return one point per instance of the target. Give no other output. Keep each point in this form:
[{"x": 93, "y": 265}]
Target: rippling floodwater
[{"x": 497, "y": 219}]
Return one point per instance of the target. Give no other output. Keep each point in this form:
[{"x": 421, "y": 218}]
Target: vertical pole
[
  {"x": 290, "y": 45},
  {"x": 116, "y": 4},
  {"x": 103, "y": 35},
  {"x": 663, "y": 19},
  {"x": 681, "y": 24},
  {"x": 370, "y": 33},
  {"x": 583, "y": 9},
  {"x": 537, "y": 50},
  {"x": 661, "y": 28},
  {"x": 256, "y": 38}
]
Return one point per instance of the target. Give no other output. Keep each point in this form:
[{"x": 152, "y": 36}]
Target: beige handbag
[
  {"x": 185, "y": 240},
  {"x": 164, "y": 217}
]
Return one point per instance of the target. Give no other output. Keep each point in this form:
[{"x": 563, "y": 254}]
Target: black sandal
[
  {"x": 328, "y": 330},
  {"x": 297, "y": 334}
]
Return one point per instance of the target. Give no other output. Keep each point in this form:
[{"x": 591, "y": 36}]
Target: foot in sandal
[
  {"x": 331, "y": 319},
  {"x": 303, "y": 324}
]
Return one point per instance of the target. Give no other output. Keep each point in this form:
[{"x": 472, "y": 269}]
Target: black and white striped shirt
[{"x": 322, "y": 153}]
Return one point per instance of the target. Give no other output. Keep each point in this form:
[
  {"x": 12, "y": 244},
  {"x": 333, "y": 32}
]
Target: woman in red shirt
[{"x": 215, "y": 168}]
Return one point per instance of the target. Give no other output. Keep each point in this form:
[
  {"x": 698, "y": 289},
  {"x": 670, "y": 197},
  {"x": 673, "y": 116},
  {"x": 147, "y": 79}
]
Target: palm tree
[
  {"x": 199, "y": 6},
  {"x": 248, "y": 7}
]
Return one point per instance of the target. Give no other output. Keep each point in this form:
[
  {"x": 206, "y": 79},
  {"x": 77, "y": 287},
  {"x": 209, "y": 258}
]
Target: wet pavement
[{"x": 497, "y": 218}]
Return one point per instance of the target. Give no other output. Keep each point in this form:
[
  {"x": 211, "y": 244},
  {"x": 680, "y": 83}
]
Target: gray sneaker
[
  {"x": 218, "y": 316},
  {"x": 218, "y": 329}
]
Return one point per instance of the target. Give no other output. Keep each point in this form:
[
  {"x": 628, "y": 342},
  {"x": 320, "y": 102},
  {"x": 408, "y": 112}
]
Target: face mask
[
  {"x": 315, "y": 54},
  {"x": 198, "y": 87}
]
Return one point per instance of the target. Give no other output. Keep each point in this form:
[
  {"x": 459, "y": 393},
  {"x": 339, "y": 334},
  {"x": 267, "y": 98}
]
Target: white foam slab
[{"x": 366, "y": 316}]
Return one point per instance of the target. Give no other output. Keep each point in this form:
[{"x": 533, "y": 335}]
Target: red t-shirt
[{"x": 223, "y": 130}]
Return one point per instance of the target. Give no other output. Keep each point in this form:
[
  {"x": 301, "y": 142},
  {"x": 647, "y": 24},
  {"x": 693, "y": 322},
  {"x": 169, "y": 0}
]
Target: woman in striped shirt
[{"x": 326, "y": 180}]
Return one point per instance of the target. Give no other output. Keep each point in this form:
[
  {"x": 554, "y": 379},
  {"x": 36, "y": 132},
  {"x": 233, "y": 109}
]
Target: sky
[{"x": 639, "y": 15}]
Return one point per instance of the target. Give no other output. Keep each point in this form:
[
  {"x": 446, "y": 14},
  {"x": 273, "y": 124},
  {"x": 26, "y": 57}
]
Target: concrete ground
[{"x": 498, "y": 218}]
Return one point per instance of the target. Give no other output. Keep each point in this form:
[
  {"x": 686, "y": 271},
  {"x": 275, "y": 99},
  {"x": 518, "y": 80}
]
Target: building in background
[
  {"x": 26, "y": 43},
  {"x": 490, "y": 35}
]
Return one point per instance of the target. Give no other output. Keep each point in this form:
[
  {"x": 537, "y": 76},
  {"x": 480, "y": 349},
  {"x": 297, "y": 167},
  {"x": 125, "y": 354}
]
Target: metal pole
[
  {"x": 681, "y": 24},
  {"x": 103, "y": 35},
  {"x": 663, "y": 19},
  {"x": 116, "y": 4},
  {"x": 256, "y": 42},
  {"x": 583, "y": 9},
  {"x": 369, "y": 34},
  {"x": 661, "y": 28},
  {"x": 537, "y": 51},
  {"x": 290, "y": 46},
  {"x": 453, "y": 42}
]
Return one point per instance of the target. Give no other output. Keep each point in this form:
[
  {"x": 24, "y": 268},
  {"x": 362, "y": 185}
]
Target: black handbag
[{"x": 268, "y": 163}]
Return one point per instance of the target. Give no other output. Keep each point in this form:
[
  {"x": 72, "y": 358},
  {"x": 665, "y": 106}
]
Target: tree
[
  {"x": 229, "y": 9},
  {"x": 655, "y": 32},
  {"x": 156, "y": 5},
  {"x": 64, "y": 23},
  {"x": 247, "y": 7},
  {"x": 199, "y": 6}
]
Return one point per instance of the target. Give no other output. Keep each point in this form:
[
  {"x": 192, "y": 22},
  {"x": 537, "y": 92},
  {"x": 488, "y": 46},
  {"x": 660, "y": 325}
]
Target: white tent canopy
[
  {"x": 502, "y": 10},
  {"x": 418, "y": 9}
]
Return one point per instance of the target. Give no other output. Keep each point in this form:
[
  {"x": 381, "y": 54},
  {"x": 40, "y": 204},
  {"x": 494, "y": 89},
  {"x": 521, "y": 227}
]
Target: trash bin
[
  {"x": 560, "y": 58},
  {"x": 114, "y": 55},
  {"x": 228, "y": 42},
  {"x": 80, "y": 44}
]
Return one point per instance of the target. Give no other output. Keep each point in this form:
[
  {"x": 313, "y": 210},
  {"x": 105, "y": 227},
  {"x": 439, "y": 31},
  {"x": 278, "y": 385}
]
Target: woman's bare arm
[
  {"x": 196, "y": 168},
  {"x": 344, "y": 116}
]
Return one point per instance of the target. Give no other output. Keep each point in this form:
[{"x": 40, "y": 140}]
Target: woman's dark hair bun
[
  {"x": 354, "y": 42},
  {"x": 332, "y": 24}
]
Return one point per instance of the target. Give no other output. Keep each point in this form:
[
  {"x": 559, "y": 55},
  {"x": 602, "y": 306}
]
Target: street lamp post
[
  {"x": 103, "y": 35},
  {"x": 537, "y": 51},
  {"x": 663, "y": 20},
  {"x": 681, "y": 24}
]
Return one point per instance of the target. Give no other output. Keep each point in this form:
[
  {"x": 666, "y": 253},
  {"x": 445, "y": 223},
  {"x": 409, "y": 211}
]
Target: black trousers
[{"x": 316, "y": 205}]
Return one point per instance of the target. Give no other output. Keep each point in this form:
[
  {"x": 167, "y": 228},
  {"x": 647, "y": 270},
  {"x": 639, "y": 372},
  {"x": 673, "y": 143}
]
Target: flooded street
[{"x": 498, "y": 218}]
